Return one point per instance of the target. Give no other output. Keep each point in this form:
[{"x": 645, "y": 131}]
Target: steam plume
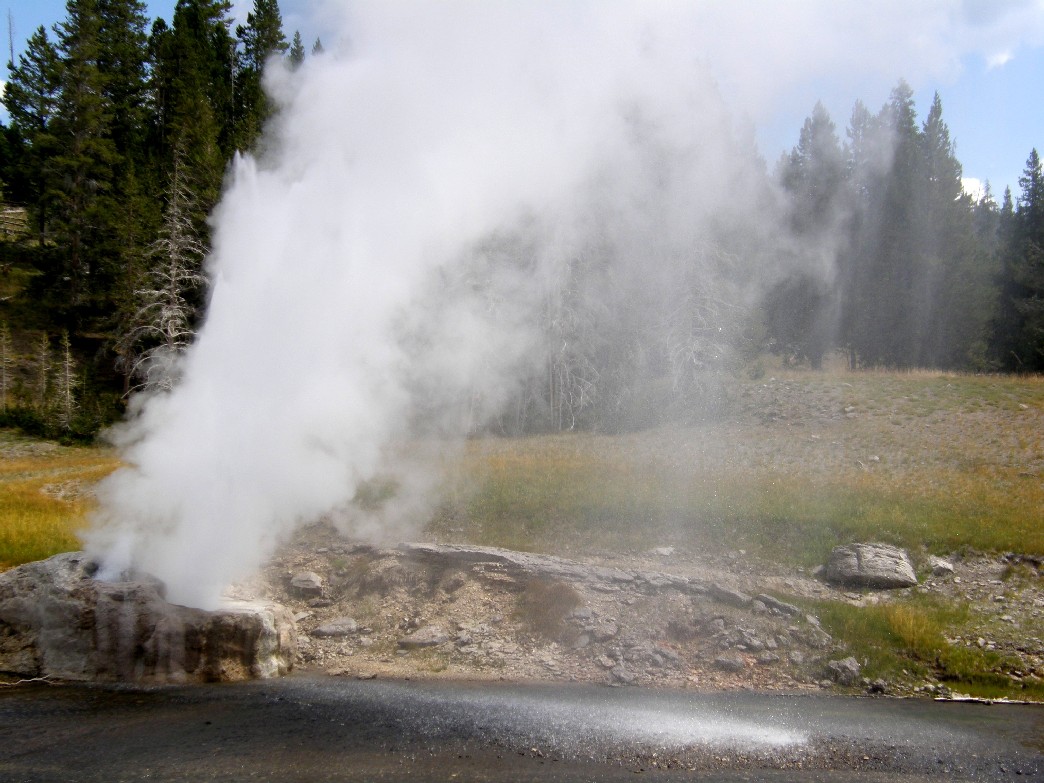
[{"x": 379, "y": 269}]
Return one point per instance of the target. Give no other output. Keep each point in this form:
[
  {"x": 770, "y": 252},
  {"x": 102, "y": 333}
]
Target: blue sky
[{"x": 774, "y": 60}]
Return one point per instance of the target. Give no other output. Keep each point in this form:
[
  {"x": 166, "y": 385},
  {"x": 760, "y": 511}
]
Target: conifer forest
[{"x": 120, "y": 132}]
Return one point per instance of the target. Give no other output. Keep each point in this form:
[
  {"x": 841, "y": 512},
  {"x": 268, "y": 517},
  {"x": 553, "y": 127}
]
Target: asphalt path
[{"x": 308, "y": 729}]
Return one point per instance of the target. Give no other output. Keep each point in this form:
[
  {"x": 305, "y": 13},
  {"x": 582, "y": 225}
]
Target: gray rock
[
  {"x": 623, "y": 675},
  {"x": 342, "y": 626},
  {"x": 428, "y": 636},
  {"x": 58, "y": 621},
  {"x": 779, "y": 606},
  {"x": 605, "y": 631},
  {"x": 307, "y": 584},
  {"x": 940, "y": 567},
  {"x": 796, "y": 657},
  {"x": 729, "y": 596},
  {"x": 582, "y": 613},
  {"x": 730, "y": 663},
  {"x": 878, "y": 566},
  {"x": 767, "y": 658},
  {"x": 845, "y": 671}
]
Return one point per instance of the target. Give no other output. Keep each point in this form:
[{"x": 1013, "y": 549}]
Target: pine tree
[
  {"x": 83, "y": 166},
  {"x": 1018, "y": 332},
  {"x": 123, "y": 63},
  {"x": 261, "y": 38},
  {"x": 296, "y": 54},
  {"x": 317, "y": 47},
  {"x": 867, "y": 161},
  {"x": 956, "y": 295},
  {"x": 800, "y": 309},
  {"x": 193, "y": 85},
  {"x": 31, "y": 99}
]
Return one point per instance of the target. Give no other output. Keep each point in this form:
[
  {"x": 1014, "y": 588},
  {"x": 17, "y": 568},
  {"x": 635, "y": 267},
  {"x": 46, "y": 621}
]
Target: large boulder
[
  {"x": 58, "y": 621},
  {"x": 870, "y": 565}
]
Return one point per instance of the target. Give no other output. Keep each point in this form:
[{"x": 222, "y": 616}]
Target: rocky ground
[{"x": 662, "y": 618}]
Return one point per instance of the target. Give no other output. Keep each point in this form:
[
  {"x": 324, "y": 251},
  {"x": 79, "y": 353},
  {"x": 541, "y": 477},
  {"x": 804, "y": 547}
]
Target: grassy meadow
[
  {"x": 933, "y": 462},
  {"x": 799, "y": 463}
]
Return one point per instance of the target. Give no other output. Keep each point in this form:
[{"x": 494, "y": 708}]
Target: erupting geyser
[{"x": 354, "y": 304}]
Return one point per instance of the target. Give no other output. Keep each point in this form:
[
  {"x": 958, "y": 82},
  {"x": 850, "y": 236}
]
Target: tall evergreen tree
[
  {"x": 1018, "y": 336},
  {"x": 296, "y": 54},
  {"x": 956, "y": 298},
  {"x": 31, "y": 99},
  {"x": 800, "y": 309},
  {"x": 194, "y": 88},
  {"x": 261, "y": 38},
  {"x": 83, "y": 169}
]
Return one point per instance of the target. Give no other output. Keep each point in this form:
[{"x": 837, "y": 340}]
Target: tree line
[
  {"x": 118, "y": 139},
  {"x": 925, "y": 275},
  {"x": 120, "y": 134}
]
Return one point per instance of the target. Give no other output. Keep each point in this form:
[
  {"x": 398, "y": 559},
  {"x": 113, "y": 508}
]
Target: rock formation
[
  {"x": 870, "y": 565},
  {"x": 58, "y": 621}
]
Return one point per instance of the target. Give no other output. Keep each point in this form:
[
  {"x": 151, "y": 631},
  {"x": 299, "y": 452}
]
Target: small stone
[
  {"x": 939, "y": 566},
  {"x": 780, "y": 606},
  {"x": 729, "y": 596},
  {"x": 307, "y": 583},
  {"x": 730, "y": 663},
  {"x": 605, "y": 632},
  {"x": 427, "y": 636},
  {"x": 796, "y": 657},
  {"x": 845, "y": 671},
  {"x": 624, "y": 675},
  {"x": 342, "y": 626},
  {"x": 605, "y": 661},
  {"x": 663, "y": 551},
  {"x": 766, "y": 658},
  {"x": 582, "y": 641}
]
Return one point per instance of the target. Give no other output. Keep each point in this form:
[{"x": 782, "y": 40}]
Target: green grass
[
  {"x": 906, "y": 640},
  {"x": 555, "y": 493}
]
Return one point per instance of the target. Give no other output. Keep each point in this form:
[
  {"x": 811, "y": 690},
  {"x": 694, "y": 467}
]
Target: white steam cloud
[{"x": 356, "y": 311}]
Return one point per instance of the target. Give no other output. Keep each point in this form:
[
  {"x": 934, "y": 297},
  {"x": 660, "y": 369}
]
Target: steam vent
[{"x": 57, "y": 621}]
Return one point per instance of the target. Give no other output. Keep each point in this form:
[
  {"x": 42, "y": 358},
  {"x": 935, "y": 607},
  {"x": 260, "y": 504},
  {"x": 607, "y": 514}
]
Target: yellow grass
[
  {"x": 45, "y": 496},
  {"x": 931, "y": 461}
]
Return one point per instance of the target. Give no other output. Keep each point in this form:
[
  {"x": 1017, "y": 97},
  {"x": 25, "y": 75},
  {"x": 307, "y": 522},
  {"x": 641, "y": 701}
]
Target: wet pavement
[{"x": 305, "y": 728}]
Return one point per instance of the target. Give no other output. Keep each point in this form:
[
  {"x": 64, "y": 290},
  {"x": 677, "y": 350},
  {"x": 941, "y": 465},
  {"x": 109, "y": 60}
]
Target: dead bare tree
[
  {"x": 65, "y": 383},
  {"x": 162, "y": 326},
  {"x": 6, "y": 364},
  {"x": 43, "y": 370}
]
